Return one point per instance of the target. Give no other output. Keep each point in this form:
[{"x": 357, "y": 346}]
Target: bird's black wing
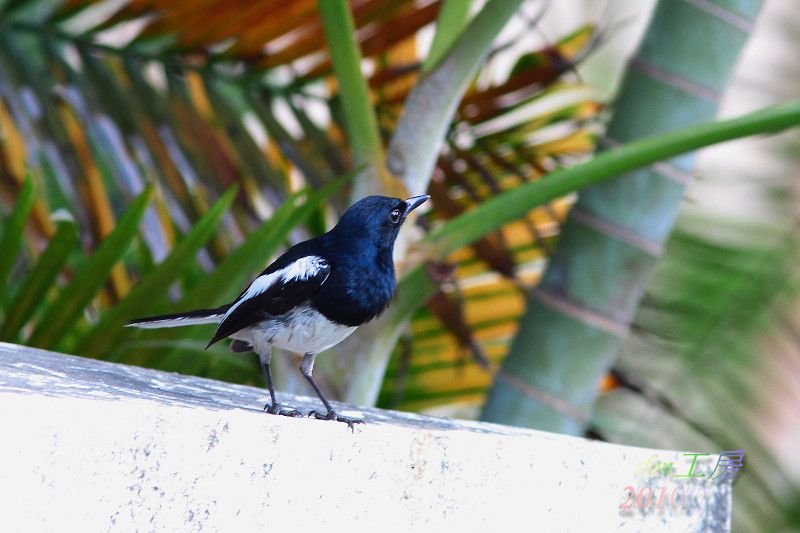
[{"x": 274, "y": 293}]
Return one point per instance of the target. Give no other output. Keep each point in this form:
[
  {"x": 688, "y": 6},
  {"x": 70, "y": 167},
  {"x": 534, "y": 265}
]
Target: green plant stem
[
  {"x": 359, "y": 116},
  {"x": 516, "y": 202},
  {"x": 452, "y": 18}
]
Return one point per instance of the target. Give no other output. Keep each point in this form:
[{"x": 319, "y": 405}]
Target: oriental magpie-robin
[{"x": 314, "y": 295}]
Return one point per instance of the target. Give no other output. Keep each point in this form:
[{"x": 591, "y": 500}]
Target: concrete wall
[{"x": 93, "y": 446}]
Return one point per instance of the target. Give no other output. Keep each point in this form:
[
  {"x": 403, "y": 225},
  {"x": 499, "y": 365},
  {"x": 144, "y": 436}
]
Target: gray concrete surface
[{"x": 94, "y": 446}]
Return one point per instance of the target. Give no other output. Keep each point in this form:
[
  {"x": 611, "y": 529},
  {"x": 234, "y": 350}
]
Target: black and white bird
[{"x": 314, "y": 295}]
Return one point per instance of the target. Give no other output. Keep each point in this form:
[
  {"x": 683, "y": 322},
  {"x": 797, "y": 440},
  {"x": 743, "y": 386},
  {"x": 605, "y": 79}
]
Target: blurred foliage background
[{"x": 155, "y": 155}]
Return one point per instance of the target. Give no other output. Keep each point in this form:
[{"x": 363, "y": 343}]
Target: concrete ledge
[{"x": 93, "y": 446}]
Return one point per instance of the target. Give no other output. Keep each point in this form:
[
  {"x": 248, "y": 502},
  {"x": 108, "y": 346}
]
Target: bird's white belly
[{"x": 303, "y": 330}]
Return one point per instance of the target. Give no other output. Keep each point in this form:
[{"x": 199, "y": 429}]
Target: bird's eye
[{"x": 395, "y": 215}]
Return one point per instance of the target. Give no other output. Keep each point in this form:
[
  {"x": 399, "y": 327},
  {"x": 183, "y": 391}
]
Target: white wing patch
[
  {"x": 302, "y": 269},
  {"x": 259, "y": 285}
]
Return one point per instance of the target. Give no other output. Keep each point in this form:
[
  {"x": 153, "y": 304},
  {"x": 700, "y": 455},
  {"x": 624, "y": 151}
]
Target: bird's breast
[{"x": 356, "y": 294}]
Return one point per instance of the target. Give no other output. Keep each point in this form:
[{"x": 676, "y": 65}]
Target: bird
[{"x": 313, "y": 296}]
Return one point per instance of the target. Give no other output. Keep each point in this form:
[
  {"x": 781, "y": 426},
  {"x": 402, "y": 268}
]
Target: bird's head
[{"x": 377, "y": 219}]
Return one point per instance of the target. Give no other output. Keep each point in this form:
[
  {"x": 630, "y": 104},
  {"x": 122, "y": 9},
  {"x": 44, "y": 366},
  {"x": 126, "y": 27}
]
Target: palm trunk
[{"x": 580, "y": 312}]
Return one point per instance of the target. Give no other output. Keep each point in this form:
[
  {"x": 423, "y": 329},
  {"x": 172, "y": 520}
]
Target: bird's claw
[
  {"x": 276, "y": 409},
  {"x": 333, "y": 415}
]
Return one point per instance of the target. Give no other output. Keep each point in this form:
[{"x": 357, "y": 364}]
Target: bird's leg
[
  {"x": 307, "y": 367},
  {"x": 273, "y": 408}
]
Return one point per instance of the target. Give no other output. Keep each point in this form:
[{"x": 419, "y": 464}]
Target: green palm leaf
[
  {"x": 31, "y": 293},
  {"x": 12, "y": 231},
  {"x": 154, "y": 285},
  {"x": 62, "y": 313}
]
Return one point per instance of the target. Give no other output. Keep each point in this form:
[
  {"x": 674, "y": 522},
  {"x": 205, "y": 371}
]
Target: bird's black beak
[{"x": 414, "y": 202}]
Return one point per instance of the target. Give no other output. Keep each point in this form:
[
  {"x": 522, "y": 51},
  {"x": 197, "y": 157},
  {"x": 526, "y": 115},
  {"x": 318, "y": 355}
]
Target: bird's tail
[{"x": 189, "y": 318}]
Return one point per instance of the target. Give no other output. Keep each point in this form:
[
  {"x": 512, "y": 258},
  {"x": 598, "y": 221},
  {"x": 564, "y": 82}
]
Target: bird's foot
[
  {"x": 276, "y": 409},
  {"x": 333, "y": 415}
]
